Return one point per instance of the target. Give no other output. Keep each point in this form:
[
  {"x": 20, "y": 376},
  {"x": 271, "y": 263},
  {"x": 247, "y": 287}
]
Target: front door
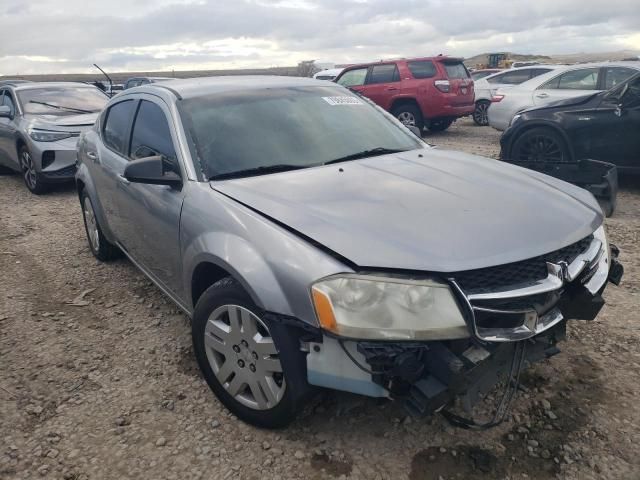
[
  {"x": 8, "y": 133},
  {"x": 382, "y": 85},
  {"x": 149, "y": 215}
]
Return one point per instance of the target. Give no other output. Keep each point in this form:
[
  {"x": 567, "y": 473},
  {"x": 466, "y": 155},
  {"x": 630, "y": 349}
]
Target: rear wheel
[
  {"x": 481, "y": 113},
  {"x": 439, "y": 125},
  {"x": 240, "y": 358},
  {"x": 31, "y": 177},
  {"x": 540, "y": 144},
  {"x": 409, "y": 115},
  {"x": 99, "y": 245}
]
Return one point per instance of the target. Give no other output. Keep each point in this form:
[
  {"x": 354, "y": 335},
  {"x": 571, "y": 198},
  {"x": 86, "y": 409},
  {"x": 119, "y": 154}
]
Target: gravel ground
[{"x": 98, "y": 379}]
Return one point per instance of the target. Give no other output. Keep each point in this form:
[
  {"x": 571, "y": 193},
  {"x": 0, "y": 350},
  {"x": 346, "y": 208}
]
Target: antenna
[{"x": 108, "y": 78}]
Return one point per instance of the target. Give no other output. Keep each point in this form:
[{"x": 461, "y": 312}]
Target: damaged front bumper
[{"x": 429, "y": 375}]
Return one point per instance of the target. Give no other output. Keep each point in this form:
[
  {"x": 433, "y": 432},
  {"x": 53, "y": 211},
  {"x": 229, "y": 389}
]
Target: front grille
[
  {"x": 63, "y": 172},
  {"x": 491, "y": 279}
]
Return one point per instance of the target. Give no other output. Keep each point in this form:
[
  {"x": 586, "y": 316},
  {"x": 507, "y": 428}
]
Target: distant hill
[
  {"x": 121, "y": 77},
  {"x": 483, "y": 58}
]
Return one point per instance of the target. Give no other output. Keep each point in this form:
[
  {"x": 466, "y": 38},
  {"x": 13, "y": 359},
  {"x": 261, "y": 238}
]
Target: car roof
[
  {"x": 552, "y": 66},
  {"x": 438, "y": 58},
  {"x": 200, "y": 86},
  {"x": 540, "y": 79},
  {"x": 36, "y": 85}
]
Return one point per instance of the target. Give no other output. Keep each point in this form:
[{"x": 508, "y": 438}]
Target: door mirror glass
[
  {"x": 156, "y": 170},
  {"x": 5, "y": 111}
]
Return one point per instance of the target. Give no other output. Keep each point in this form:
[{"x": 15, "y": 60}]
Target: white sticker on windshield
[{"x": 342, "y": 100}]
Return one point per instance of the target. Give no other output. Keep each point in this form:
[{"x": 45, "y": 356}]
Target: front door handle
[
  {"x": 542, "y": 95},
  {"x": 123, "y": 180},
  {"x": 93, "y": 156},
  {"x": 392, "y": 89}
]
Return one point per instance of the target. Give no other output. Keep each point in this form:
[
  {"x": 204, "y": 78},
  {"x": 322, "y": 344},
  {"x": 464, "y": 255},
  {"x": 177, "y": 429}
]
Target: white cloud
[{"x": 53, "y": 36}]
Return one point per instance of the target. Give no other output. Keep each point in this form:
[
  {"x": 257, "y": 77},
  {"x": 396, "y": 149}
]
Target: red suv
[{"x": 427, "y": 92}]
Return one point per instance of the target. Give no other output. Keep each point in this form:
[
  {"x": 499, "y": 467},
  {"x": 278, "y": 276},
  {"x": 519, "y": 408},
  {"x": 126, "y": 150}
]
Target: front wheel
[
  {"x": 439, "y": 125},
  {"x": 240, "y": 359},
  {"x": 32, "y": 178},
  {"x": 540, "y": 144},
  {"x": 481, "y": 113}
]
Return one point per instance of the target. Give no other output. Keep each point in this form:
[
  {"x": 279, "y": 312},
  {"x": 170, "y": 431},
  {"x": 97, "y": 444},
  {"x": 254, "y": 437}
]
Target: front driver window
[
  {"x": 151, "y": 134},
  {"x": 8, "y": 101},
  {"x": 353, "y": 78}
]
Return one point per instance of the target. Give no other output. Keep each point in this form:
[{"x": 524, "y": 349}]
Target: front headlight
[
  {"x": 515, "y": 118},
  {"x": 50, "y": 135},
  {"x": 369, "y": 307}
]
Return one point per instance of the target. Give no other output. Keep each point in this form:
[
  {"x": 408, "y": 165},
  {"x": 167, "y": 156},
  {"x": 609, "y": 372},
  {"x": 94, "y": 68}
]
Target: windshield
[
  {"x": 62, "y": 100},
  {"x": 295, "y": 127}
]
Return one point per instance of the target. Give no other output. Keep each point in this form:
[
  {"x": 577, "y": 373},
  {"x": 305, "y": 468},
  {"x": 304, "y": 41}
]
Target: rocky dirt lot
[{"x": 98, "y": 379}]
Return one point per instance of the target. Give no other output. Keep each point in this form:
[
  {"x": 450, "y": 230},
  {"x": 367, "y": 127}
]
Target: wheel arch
[
  {"x": 397, "y": 102},
  {"x": 538, "y": 124}
]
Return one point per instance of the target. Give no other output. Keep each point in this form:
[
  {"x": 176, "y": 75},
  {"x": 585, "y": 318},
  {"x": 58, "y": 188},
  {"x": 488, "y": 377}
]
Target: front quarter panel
[{"x": 275, "y": 266}]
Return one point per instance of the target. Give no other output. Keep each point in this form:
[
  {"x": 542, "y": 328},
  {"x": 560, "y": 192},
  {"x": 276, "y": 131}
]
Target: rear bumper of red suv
[{"x": 449, "y": 111}]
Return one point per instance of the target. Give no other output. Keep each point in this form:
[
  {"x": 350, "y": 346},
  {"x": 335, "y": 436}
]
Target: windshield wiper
[
  {"x": 60, "y": 107},
  {"x": 372, "y": 152},
  {"x": 263, "y": 170}
]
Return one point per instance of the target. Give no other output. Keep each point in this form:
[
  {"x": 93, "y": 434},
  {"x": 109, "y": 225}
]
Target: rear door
[
  {"x": 460, "y": 83},
  {"x": 572, "y": 83},
  {"x": 382, "y": 84},
  {"x": 8, "y": 132}
]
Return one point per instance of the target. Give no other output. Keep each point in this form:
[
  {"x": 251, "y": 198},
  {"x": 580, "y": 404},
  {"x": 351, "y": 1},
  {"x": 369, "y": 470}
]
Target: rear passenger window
[
  {"x": 384, "y": 74},
  {"x": 116, "y": 126},
  {"x": 538, "y": 71},
  {"x": 7, "y": 101},
  {"x": 151, "y": 135},
  {"x": 583, "y": 79},
  {"x": 456, "y": 70},
  {"x": 422, "y": 69}
]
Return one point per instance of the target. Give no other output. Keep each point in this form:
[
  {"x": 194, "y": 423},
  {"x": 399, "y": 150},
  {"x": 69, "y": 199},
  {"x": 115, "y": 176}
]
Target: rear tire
[
  {"x": 480, "y": 114},
  {"x": 242, "y": 361},
  {"x": 439, "y": 125},
  {"x": 540, "y": 144},
  {"x": 99, "y": 245},
  {"x": 409, "y": 114},
  {"x": 32, "y": 179}
]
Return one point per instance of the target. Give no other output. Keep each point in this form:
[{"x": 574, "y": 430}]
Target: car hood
[
  {"x": 64, "y": 122},
  {"x": 428, "y": 210}
]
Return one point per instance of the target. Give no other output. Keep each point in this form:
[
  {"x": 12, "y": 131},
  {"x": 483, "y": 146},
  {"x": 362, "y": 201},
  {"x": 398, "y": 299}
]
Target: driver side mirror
[
  {"x": 5, "y": 111},
  {"x": 155, "y": 170}
]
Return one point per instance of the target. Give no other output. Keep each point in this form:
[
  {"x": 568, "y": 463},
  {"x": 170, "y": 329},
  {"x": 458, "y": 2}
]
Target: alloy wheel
[
  {"x": 481, "y": 114},
  {"x": 29, "y": 170},
  {"x": 407, "y": 118},
  {"x": 243, "y": 357},
  {"x": 91, "y": 223},
  {"x": 541, "y": 148}
]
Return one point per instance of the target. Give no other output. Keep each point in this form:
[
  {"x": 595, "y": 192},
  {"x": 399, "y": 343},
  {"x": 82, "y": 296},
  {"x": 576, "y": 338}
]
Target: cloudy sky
[{"x": 64, "y": 36}]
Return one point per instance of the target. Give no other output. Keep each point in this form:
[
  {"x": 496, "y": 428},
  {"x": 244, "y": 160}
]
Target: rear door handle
[
  {"x": 93, "y": 156},
  {"x": 392, "y": 89},
  {"x": 542, "y": 95}
]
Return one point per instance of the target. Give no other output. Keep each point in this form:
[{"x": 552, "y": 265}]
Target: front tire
[
  {"x": 99, "y": 245},
  {"x": 409, "y": 115},
  {"x": 31, "y": 177},
  {"x": 481, "y": 113},
  {"x": 240, "y": 359},
  {"x": 540, "y": 144}
]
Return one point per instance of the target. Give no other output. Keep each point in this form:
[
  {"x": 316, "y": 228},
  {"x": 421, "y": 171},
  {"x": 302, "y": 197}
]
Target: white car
[
  {"x": 328, "y": 74},
  {"x": 558, "y": 84},
  {"x": 487, "y": 87}
]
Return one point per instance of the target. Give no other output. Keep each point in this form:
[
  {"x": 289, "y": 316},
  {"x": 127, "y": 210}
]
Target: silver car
[
  {"x": 316, "y": 242},
  {"x": 559, "y": 84},
  {"x": 39, "y": 127}
]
